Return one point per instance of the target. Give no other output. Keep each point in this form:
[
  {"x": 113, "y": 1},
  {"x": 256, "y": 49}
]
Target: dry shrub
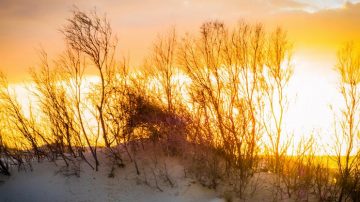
[{"x": 207, "y": 166}]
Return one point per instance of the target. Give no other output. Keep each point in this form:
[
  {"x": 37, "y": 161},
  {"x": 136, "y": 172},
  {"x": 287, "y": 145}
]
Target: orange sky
[
  {"x": 316, "y": 28},
  {"x": 25, "y": 26}
]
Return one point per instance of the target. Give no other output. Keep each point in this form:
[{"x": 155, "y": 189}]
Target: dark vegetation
[{"x": 235, "y": 98}]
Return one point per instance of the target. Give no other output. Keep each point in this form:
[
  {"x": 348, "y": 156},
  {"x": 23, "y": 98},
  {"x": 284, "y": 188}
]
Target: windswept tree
[
  {"x": 347, "y": 134},
  {"x": 92, "y": 35}
]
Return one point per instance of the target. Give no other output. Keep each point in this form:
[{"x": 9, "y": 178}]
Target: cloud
[
  {"x": 288, "y": 4},
  {"x": 328, "y": 27}
]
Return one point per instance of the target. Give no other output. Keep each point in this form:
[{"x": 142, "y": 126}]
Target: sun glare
[{"x": 310, "y": 111}]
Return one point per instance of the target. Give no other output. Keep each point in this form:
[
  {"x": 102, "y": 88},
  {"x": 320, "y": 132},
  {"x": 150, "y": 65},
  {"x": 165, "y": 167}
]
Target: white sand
[{"x": 46, "y": 184}]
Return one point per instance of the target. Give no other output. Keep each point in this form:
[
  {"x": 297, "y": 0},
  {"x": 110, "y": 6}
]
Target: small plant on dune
[{"x": 4, "y": 164}]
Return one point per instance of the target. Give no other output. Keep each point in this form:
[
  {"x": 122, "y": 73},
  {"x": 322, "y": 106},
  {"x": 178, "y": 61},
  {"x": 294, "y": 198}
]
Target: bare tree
[
  {"x": 72, "y": 68},
  {"x": 53, "y": 104},
  {"x": 92, "y": 35},
  {"x": 278, "y": 74},
  {"x": 348, "y": 68},
  {"x": 52, "y": 92},
  {"x": 163, "y": 66},
  {"x": 25, "y": 126},
  {"x": 225, "y": 68},
  {"x": 275, "y": 80}
]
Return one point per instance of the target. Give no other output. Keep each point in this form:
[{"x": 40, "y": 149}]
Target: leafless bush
[
  {"x": 20, "y": 123},
  {"x": 163, "y": 68},
  {"x": 347, "y": 155},
  {"x": 223, "y": 104},
  {"x": 207, "y": 166},
  {"x": 324, "y": 183},
  {"x": 72, "y": 169},
  {"x": 13, "y": 152},
  {"x": 234, "y": 75},
  {"x": 4, "y": 159},
  {"x": 57, "y": 109},
  {"x": 297, "y": 172},
  {"x": 154, "y": 167}
]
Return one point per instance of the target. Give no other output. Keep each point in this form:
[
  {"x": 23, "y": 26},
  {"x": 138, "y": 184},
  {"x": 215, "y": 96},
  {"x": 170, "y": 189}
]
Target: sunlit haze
[{"x": 316, "y": 28}]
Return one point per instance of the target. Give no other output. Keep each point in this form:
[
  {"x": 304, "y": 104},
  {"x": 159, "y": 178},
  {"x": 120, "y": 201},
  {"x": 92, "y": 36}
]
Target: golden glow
[
  {"x": 309, "y": 110},
  {"x": 316, "y": 36}
]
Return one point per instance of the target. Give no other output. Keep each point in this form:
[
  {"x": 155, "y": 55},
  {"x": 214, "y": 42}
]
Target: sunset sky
[{"x": 317, "y": 29}]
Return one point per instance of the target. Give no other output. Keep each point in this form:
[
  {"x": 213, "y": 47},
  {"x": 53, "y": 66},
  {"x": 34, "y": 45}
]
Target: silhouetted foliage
[{"x": 347, "y": 135}]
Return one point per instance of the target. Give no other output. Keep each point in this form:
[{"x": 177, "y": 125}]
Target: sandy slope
[
  {"x": 49, "y": 182},
  {"x": 45, "y": 183}
]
